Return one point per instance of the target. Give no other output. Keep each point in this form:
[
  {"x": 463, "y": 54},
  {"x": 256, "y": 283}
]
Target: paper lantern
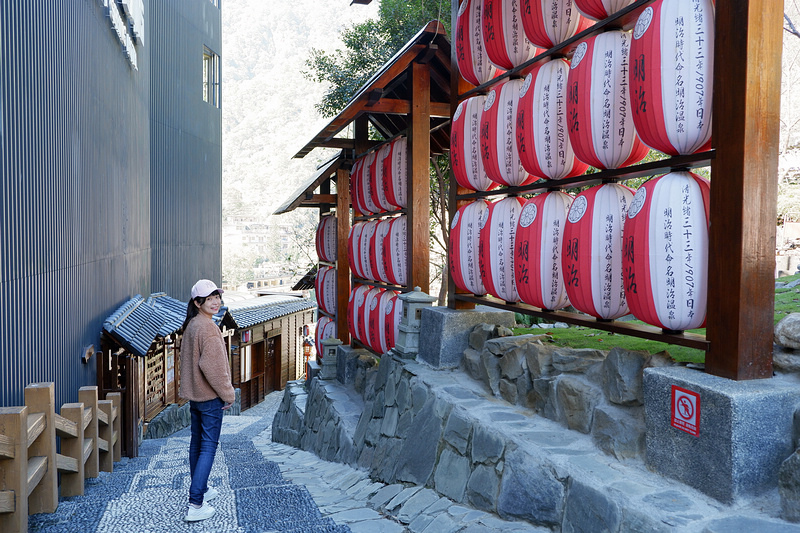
[
  {"x": 378, "y": 178},
  {"x": 395, "y": 173},
  {"x": 364, "y": 315},
  {"x": 383, "y": 319},
  {"x": 666, "y": 251},
  {"x": 591, "y": 254},
  {"x": 600, "y": 9},
  {"x": 325, "y": 289},
  {"x": 504, "y": 35},
  {"x": 498, "y": 136},
  {"x": 394, "y": 251},
  {"x": 465, "y": 145},
  {"x": 496, "y": 248},
  {"x": 366, "y": 184},
  {"x": 366, "y": 250},
  {"x": 379, "y": 265},
  {"x": 542, "y": 136},
  {"x": 356, "y": 175},
  {"x": 550, "y": 22},
  {"x": 326, "y": 328},
  {"x": 473, "y": 61},
  {"x": 672, "y": 72},
  {"x": 598, "y": 104},
  {"x": 465, "y": 246},
  {"x": 355, "y": 307},
  {"x": 326, "y": 238},
  {"x": 354, "y": 249},
  {"x": 537, "y": 250}
]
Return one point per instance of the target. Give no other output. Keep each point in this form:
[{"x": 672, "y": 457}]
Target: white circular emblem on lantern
[
  {"x": 395, "y": 173},
  {"x": 465, "y": 146},
  {"x": 542, "y": 138},
  {"x": 537, "y": 256},
  {"x": 473, "y": 61},
  {"x": 672, "y": 68},
  {"x": 503, "y": 34},
  {"x": 465, "y": 247},
  {"x": 600, "y": 9},
  {"x": 599, "y": 109},
  {"x": 496, "y": 248},
  {"x": 501, "y": 158},
  {"x": 591, "y": 254},
  {"x": 550, "y": 22},
  {"x": 326, "y": 238},
  {"x": 666, "y": 252}
]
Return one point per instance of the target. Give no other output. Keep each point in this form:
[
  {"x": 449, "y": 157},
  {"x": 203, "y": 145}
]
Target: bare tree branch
[{"x": 791, "y": 29}]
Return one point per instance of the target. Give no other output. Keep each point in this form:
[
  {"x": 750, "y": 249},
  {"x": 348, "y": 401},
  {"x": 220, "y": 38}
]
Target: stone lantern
[
  {"x": 330, "y": 348},
  {"x": 407, "y": 343}
]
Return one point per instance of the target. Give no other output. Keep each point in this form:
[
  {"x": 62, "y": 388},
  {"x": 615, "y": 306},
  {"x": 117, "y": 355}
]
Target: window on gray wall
[{"x": 210, "y": 77}]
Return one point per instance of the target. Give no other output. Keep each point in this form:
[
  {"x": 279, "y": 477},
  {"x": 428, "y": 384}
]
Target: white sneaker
[
  {"x": 210, "y": 494},
  {"x": 195, "y": 514}
]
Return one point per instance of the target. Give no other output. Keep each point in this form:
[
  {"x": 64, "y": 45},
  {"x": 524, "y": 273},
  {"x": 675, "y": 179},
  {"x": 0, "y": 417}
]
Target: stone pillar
[
  {"x": 407, "y": 343},
  {"x": 330, "y": 347}
]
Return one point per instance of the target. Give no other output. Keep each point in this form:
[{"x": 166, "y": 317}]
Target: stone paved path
[{"x": 264, "y": 487}]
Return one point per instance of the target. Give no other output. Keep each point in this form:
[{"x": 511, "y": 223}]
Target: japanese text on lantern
[{"x": 688, "y": 250}]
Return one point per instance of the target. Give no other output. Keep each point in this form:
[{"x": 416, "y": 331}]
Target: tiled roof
[
  {"x": 247, "y": 313},
  {"x": 138, "y": 322}
]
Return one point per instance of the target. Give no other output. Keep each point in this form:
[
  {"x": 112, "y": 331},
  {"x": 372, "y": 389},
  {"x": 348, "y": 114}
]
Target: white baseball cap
[{"x": 203, "y": 288}]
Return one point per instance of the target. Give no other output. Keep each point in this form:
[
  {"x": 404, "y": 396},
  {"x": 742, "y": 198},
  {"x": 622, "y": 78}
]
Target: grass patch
[{"x": 786, "y": 301}]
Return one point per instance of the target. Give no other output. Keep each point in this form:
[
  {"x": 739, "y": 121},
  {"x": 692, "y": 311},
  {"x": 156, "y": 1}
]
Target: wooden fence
[{"x": 29, "y": 462}]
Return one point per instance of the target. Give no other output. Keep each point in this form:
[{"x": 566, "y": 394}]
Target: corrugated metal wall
[
  {"x": 76, "y": 190},
  {"x": 186, "y": 148}
]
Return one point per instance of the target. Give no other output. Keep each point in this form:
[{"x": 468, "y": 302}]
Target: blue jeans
[{"x": 206, "y": 426}]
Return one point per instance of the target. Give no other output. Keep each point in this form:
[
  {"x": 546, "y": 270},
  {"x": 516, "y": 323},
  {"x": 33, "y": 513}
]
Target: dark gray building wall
[
  {"x": 75, "y": 191},
  {"x": 185, "y": 148}
]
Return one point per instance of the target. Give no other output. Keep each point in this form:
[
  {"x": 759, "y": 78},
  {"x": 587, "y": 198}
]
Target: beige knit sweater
[{"x": 205, "y": 373}]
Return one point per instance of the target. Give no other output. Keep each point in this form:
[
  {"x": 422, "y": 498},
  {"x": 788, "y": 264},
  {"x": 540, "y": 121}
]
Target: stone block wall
[{"x": 592, "y": 391}]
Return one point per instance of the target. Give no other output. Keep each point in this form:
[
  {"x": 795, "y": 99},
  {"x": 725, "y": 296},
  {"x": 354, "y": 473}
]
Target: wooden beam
[
  {"x": 419, "y": 148},
  {"x": 342, "y": 260},
  {"x": 392, "y": 106},
  {"x": 747, "y": 82}
]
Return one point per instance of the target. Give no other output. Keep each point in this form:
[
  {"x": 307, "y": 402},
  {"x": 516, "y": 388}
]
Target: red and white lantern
[
  {"x": 326, "y": 328},
  {"x": 542, "y": 130},
  {"x": 666, "y": 251},
  {"x": 383, "y": 319},
  {"x": 591, "y": 254},
  {"x": 356, "y": 190},
  {"x": 366, "y": 250},
  {"x": 465, "y": 246},
  {"x": 354, "y": 249},
  {"x": 473, "y": 61},
  {"x": 379, "y": 265},
  {"x": 537, "y": 245},
  {"x": 366, "y": 184},
  {"x": 465, "y": 145},
  {"x": 394, "y": 250},
  {"x": 496, "y": 248},
  {"x": 325, "y": 289},
  {"x": 499, "y": 151},
  {"x": 598, "y": 105},
  {"x": 327, "y": 239},
  {"x": 504, "y": 34},
  {"x": 378, "y": 178},
  {"x": 672, "y": 72},
  {"x": 600, "y": 9},
  {"x": 355, "y": 311},
  {"x": 395, "y": 173},
  {"x": 364, "y": 311},
  {"x": 550, "y": 22}
]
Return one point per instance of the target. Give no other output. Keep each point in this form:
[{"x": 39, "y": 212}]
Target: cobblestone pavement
[{"x": 264, "y": 487}]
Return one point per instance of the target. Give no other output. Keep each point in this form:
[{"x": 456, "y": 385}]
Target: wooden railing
[{"x": 29, "y": 461}]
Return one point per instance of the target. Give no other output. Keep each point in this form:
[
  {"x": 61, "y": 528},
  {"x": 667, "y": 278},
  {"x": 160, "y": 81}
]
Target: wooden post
[
  {"x": 40, "y": 398},
  {"x": 747, "y": 82},
  {"x": 106, "y": 435},
  {"x": 342, "y": 260},
  {"x": 88, "y": 397},
  {"x": 116, "y": 400},
  {"x": 72, "y": 482},
  {"x": 14, "y": 471},
  {"x": 419, "y": 150}
]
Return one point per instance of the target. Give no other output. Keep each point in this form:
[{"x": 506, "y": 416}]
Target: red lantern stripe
[
  {"x": 537, "y": 250},
  {"x": 550, "y": 22},
  {"x": 465, "y": 145},
  {"x": 666, "y": 251},
  {"x": 598, "y": 106},
  {"x": 504, "y": 35},
  {"x": 496, "y": 248},
  {"x": 499, "y": 151},
  {"x": 394, "y": 247},
  {"x": 378, "y": 180},
  {"x": 395, "y": 173},
  {"x": 672, "y": 65},
  {"x": 465, "y": 246},
  {"x": 542, "y": 136},
  {"x": 600, "y": 9}
]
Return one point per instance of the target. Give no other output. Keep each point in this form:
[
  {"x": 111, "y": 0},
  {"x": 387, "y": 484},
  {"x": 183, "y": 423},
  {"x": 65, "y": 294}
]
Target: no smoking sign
[{"x": 686, "y": 410}]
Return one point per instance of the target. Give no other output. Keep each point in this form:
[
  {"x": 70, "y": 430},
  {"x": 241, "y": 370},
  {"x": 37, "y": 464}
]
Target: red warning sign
[{"x": 686, "y": 410}]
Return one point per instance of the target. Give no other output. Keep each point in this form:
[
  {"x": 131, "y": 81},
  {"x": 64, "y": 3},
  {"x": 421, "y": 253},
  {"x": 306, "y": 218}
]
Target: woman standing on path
[{"x": 206, "y": 383}]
